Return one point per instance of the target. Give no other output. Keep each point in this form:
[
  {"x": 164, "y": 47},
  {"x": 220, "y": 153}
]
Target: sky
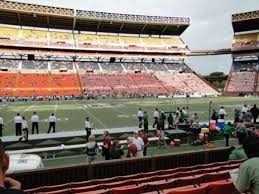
[{"x": 210, "y": 22}]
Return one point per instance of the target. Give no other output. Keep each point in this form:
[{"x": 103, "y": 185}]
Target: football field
[{"x": 110, "y": 113}]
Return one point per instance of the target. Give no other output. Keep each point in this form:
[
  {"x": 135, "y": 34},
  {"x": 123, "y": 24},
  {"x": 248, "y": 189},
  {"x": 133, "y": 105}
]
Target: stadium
[{"x": 111, "y": 68}]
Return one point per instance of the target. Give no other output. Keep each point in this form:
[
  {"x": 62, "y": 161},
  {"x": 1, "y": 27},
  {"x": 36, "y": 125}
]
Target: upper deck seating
[
  {"x": 34, "y": 37},
  {"x": 134, "y": 66},
  {"x": 61, "y": 39},
  {"x": 88, "y": 66},
  {"x": 9, "y": 36},
  {"x": 112, "y": 66},
  {"x": 156, "y": 66}
]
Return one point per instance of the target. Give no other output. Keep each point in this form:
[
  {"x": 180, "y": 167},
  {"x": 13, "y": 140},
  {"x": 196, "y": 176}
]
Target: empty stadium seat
[
  {"x": 128, "y": 190},
  {"x": 222, "y": 187},
  {"x": 189, "y": 190}
]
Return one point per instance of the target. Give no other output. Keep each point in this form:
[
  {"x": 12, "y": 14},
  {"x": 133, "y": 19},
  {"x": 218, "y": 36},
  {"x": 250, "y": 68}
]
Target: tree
[{"x": 217, "y": 74}]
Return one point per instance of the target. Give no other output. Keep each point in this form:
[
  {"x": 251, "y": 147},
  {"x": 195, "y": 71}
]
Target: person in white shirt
[
  {"x": 138, "y": 141},
  {"x": 88, "y": 128},
  {"x": 18, "y": 124},
  {"x": 155, "y": 116},
  {"x": 244, "y": 109},
  {"x": 1, "y": 126},
  {"x": 222, "y": 113},
  {"x": 24, "y": 130},
  {"x": 52, "y": 122},
  {"x": 140, "y": 117},
  {"x": 35, "y": 122}
]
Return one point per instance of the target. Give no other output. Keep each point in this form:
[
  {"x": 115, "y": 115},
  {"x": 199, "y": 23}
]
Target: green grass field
[{"x": 110, "y": 113}]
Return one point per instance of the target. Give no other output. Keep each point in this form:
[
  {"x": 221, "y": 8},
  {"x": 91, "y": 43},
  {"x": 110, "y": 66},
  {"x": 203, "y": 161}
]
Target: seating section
[
  {"x": 39, "y": 84},
  {"x": 87, "y": 66},
  {"x": 241, "y": 82},
  {"x": 207, "y": 178},
  {"x": 112, "y": 66},
  {"x": 246, "y": 41},
  {"x": 35, "y": 37},
  {"x": 9, "y": 64}
]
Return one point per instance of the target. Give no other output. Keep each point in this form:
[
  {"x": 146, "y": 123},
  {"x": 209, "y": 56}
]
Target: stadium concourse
[{"x": 84, "y": 67}]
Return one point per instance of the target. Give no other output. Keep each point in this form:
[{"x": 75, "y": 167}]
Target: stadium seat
[
  {"x": 189, "y": 190},
  {"x": 159, "y": 185},
  {"x": 128, "y": 190},
  {"x": 222, "y": 187},
  {"x": 209, "y": 177}
]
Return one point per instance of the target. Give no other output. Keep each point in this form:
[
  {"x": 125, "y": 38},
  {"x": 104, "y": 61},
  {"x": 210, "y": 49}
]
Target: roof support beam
[
  {"x": 121, "y": 26},
  {"x": 143, "y": 28},
  {"x": 164, "y": 30},
  {"x": 19, "y": 18},
  {"x": 99, "y": 23}
]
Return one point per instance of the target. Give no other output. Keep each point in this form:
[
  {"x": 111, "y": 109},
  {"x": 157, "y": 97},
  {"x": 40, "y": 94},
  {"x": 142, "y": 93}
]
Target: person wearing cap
[
  {"x": 132, "y": 148},
  {"x": 52, "y": 123},
  {"x": 88, "y": 127},
  {"x": 161, "y": 122},
  {"x": 7, "y": 184},
  {"x": 138, "y": 141},
  {"x": 222, "y": 113},
  {"x": 145, "y": 140},
  {"x": 140, "y": 117},
  {"x": 1, "y": 126}
]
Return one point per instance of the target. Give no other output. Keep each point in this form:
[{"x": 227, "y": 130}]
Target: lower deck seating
[
  {"x": 208, "y": 178},
  {"x": 241, "y": 82},
  {"x": 39, "y": 84}
]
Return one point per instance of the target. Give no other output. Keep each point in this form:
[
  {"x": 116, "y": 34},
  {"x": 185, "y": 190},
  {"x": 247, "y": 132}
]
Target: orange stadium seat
[
  {"x": 128, "y": 190},
  {"x": 189, "y": 190}
]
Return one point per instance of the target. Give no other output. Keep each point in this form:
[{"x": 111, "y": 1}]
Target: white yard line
[
  {"x": 91, "y": 115},
  {"x": 25, "y": 110},
  {"x": 55, "y": 109}
]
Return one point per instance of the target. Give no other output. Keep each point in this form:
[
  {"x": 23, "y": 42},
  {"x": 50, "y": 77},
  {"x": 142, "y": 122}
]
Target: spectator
[
  {"x": 241, "y": 132},
  {"x": 237, "y": 116},
  {"x": 161, "y": 138},
  {"x": 1, "y": 126},
  {"x": 248, "y": 117},
  {"x": 35, "y": 122},
  {"x": 155, "y": 116},
  {"x": 182, "y": 117},
  {"x": 138, "y": 141},
  {"x": 24, "y": 130},
  {"x": 145, "y": 122},
  {"x": 227, "y": 130},
  {"x": 244, "y": 109},
  {"x": 18, "y": 124},
  {"x": 106, "y": 145},
  {"x": 52, "y": 122},
  {"x": 222, "y": 113},
  {"x": 140, "y": 117},
  {"x": 248, "y": 178},
  {"x": 116, "y": 150},
  {"x": 214, "y": 115},
  {"x": 145, "y": 140},
  {"x": 237, "y": 153},
  {"x": 194, "y": 119},
  {"x": 7, "y": 185},
  {"x": 170, "y": 121},
  {"x": 132, "y": 148},
  {"x": 91, "y": 149},
  {"x": 161, "y": 121},
  {"x": 88, "y": 127},
  {"x": 255, "y": 112}
]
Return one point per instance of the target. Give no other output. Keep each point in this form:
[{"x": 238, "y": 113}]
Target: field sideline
[{"x": 110, "y": 113}]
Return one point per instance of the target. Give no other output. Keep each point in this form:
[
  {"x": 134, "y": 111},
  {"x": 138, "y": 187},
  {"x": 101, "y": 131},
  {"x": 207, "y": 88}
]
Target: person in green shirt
[
  {"x": 145, "y": 122},
  {"x": 237, "y": 153},
  {"x": 248, "y": 178},
  {"x": 227, "y": 130}
]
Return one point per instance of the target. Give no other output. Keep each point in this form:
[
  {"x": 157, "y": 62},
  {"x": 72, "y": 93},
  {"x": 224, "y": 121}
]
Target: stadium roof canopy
[
  {"x": 33, "y": 15},
  {"x": 248, "y": 21}
]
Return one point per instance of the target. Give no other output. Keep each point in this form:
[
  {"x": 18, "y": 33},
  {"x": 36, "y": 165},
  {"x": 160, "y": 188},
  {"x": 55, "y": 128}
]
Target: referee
[{"x": 35, "y": 122}]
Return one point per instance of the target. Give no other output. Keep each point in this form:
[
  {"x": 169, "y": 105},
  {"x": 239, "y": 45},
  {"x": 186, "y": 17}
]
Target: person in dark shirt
[
  {"x": 106, "y": 145},
  {"x": 145, "y": 140},
  {"x": 7, "y": 184},
  {"x": 255, "y": 112},
  {"x": 116, "y": 150},
  {"x": 214, "y": 115},
  {"x": 170, "y": 121}
]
